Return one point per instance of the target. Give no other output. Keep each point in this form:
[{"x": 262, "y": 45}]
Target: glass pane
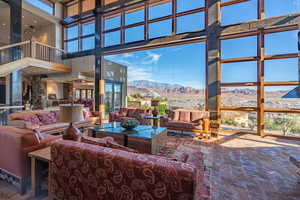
[
  {"x": 108, "y": 97},
  {"x": 240, "y": 12},
  {"x": 185, "y": 5},
  {"x": 134, "y": 17},
  {"x": 274, "y": 97},
  {"x": 83, "y": 94},
  {"x": 239, "y": 121},
  {"x": 44, "y": 5},
  {"x": 72, "y": 46},
  {"x": 160, "y": 10},
  {"x": 239, "y": 47},
  {"x": 281, "y": 7},
  {"x": 77, "y": 94},
  {"x": 282, "y": 124},
  {"x": 88, "y": 43},
  {"x": 281, "y": 70},
  {"x": 188, "y": 23},
  {"x": 118, "y": 96},
  {"x": 161, "y": 28},
  {"x": 72, "y": 10},
  {"x": 88, "y": 28},
  {"x": 72, "y": 32},
  {"x": 159, "y": 73},
  {"x": 239, "y": 96},
  {"x": 111, "y": 23},
  {"x": 112, "y": 38},
  {"x": 281, "y": 43},
  {"x": 239, "y": 72},
  {"x": 134, "y": 34},
  {"x": 88, "y": 5}
]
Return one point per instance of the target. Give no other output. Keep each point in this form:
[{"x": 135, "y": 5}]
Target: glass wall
[
  {"x": 178, "y": 82},
  {"x": 45, "y": 5}
]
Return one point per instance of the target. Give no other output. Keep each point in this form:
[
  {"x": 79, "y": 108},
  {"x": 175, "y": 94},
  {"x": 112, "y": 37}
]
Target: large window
[
  {"x": 76, "y": 7},
  {"x": 161, "y": 74},
  {"x": 45, "y": 5},
  {"x": 163, "y": 18},
  {"x": 80, "y": 36}
]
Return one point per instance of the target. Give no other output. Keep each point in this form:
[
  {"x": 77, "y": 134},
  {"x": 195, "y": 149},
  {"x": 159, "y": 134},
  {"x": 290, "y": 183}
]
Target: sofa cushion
[
  {"x": 196, "y": 116},
  {"x": 56, "y": 113},
  {"x": 185, "y": 116},
  {"x": 49, "y": 127},
  {"x": 123, "y": 112},
  {"x": 46, "y": 118},
  {"x": 32, "y": 118},
  {"x": 86, "y": 113},
  {"x": 96, "y": 141},
  {"x": 130, "y": 112},
  {"x": 182, "y": 125}
]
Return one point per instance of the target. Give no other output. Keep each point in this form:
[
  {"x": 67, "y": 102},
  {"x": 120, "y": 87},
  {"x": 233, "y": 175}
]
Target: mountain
[
  {"x": 162, "y": 88},
  {"x": 152, "y": 84}
]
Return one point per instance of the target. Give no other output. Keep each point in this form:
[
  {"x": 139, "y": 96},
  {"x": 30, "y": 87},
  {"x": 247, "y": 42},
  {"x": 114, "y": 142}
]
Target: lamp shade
[{"x": 71, "y": 113}]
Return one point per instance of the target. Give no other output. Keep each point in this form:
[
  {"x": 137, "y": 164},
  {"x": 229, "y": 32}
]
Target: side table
[
  {"x": 37, "y": 158},
  {"x": 155, "y": 119}
]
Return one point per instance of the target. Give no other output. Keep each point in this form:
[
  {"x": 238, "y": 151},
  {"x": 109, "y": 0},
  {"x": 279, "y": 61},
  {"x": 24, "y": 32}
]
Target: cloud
[
  {"x": 138, "y": 73},
  {"x": 128, "y": 55},
  {"x": 151, "y": 58}
]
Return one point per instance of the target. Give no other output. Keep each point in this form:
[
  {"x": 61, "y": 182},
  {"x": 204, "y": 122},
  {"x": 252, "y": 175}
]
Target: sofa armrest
[
  {"x": 113, "y": 116},
  {"x": 163, "y": 121},
  {"x": 48, "y": 141},
  {"x": 22, "y": 124}
]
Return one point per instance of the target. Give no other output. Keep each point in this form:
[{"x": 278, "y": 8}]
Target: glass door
[
  {"x": 108, "y": 99},
  {"x": 117, "y": 96}
]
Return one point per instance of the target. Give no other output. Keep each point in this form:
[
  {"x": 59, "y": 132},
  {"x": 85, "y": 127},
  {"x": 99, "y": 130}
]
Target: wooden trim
[
  {"x": 282, "y": 83},
  {"x": 234, "y": 60},
  {"x": 281, "y": 56},
  {"x": 239, "y": 84},
  {"x": 232, "y": 2},
  {"x": 235, "y": 108},
  {"x": 282, "y": 110}
]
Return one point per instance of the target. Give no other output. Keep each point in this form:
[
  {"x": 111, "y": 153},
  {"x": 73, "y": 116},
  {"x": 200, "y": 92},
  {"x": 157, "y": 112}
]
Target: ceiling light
[
  {"x": 3, "y": 24},
  {"x": 22, "y": 16},
  {"x": 35, "y": 21}
]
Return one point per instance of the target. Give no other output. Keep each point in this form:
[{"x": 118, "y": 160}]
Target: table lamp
[{"x": 70, "y": 113}]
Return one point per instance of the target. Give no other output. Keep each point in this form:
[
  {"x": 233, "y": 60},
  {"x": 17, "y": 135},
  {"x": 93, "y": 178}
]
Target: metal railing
[{"x": 32, "y": 49}]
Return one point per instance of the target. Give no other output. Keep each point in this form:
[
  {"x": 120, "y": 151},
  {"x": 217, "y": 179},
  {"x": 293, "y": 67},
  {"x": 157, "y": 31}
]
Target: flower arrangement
[{"x": 130, "y": 124}]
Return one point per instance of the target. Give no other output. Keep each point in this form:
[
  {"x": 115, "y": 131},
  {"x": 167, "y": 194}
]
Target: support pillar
[
  {"x": 15, "y": 37},
  {"x": 99, "y": 80},
  {"x": 213, "y": 66}
]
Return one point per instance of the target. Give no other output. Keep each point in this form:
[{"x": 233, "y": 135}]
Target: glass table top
[{"x": 146, "y": 132}]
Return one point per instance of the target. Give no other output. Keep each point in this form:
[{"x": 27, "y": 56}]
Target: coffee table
[{"x": 145, "y": 139}]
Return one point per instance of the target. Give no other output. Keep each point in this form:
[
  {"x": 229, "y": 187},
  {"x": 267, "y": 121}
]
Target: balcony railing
[{"x": 32, "y": 49}]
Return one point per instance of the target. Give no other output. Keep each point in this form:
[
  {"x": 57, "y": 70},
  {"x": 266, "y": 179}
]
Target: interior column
[{"x": 213, "y": 68}]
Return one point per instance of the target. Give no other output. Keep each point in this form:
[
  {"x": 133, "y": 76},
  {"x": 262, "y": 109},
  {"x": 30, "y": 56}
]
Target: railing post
[{"x": 33, "y": 48}]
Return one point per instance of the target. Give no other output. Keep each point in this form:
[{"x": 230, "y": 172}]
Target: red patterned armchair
[
  {"x": 86, "y": 171},
  {"x": 130, "y": 113}
]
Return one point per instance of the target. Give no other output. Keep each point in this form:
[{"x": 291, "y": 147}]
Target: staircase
[{"x": 32, "y": 55}]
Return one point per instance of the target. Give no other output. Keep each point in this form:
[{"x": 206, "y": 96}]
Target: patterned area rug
[{"x": 177, "y": 144}]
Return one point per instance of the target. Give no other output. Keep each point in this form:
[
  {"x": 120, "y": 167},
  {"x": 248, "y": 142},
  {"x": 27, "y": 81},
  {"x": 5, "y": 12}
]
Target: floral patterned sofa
[
  {"x": 47, "y": 121},
  {"x": 86, "y": 171},
  {"x": 130, "y": 113}
]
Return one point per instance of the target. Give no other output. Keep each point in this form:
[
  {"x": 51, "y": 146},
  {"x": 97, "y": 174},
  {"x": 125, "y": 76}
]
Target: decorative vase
[{"x": 130, "y": 124}]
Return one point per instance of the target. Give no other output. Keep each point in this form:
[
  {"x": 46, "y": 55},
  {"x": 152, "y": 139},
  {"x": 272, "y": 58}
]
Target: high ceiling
[{"x": 30, "y": 21}]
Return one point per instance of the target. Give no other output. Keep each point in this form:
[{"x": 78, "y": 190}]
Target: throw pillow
[{"x": 47, "y": 118}]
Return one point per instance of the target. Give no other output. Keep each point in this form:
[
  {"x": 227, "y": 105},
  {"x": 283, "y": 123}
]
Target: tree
[{"x": 286, "y": 123}]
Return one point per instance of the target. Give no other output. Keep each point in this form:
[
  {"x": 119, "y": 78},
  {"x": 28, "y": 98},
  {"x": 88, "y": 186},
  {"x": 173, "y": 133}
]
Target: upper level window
[
  {"x": 281, "y": 7},
  {"x": 161, "y": 10},
  {"x": 239, "y": 12},
  {"x": 79, "y": 6},
  {"x": 44, "y": 5},
  {"x": 186, "y": 5},
  {"x": 134, "y": 17},
  {"x": 112, "y": 22}
]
